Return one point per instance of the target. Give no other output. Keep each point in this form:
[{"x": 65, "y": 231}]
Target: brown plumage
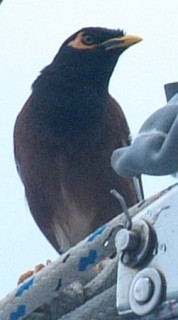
[{"x": 64, "y": 137}]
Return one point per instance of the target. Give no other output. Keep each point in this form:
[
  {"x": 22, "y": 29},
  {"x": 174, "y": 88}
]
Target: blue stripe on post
[
  {"x": 24, "y": 287},
  {"x": 21, "y": 311},
  {"x": 85, "y": 262}
]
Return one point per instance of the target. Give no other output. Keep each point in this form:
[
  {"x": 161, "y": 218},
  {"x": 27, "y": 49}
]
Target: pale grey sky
[{"x": 31, "y": 33}]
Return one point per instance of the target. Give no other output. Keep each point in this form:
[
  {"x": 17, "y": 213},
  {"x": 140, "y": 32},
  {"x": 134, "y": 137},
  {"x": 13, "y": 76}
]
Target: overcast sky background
[{"x": 31, "y": 33}]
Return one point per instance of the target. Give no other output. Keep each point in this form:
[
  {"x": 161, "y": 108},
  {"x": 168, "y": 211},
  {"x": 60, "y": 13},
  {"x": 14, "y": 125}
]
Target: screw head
[
  {"x": 143, "y": 290},
  {"x": 146, "y": 291}
]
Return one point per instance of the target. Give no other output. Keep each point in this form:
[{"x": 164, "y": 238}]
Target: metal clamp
[
  {"x": 136, "y": 246},
  {"x": 148, "y": 263}
]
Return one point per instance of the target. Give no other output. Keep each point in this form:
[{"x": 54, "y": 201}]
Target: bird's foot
[{"x": 30, "y": 273}]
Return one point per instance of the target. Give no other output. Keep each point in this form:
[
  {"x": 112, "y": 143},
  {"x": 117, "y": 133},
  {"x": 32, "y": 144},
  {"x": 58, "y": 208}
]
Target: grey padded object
[{"x": 155, "y": 149}]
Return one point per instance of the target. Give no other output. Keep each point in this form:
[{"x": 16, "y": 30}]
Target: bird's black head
[{"x": 90, "y": 55}]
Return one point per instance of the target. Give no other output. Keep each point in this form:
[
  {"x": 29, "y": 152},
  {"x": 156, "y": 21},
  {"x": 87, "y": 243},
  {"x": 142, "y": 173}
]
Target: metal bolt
[
  {"x": 127, "y": 240},
  {"x": 143, "y": 290},
  {"x": 146, "y": 291}
]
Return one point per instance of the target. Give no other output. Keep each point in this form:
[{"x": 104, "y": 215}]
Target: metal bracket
[{"x": 148, "y": 260}]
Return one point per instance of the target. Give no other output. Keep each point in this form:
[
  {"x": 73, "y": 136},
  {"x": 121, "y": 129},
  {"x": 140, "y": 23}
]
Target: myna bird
[{"x": 65, "y": 134}]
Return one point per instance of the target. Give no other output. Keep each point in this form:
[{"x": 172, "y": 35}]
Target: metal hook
[{"x": 121, "y": 199}]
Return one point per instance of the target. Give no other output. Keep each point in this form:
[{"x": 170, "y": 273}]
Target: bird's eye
[{"x": 88, "y": 39}]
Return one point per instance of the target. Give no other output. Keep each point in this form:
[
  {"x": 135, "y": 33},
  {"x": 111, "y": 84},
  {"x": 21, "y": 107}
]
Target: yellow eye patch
[{"x": 78, "y": 42}]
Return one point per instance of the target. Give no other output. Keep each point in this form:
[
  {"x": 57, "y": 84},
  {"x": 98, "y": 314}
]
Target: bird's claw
[{"x": 31, "y": 273}]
